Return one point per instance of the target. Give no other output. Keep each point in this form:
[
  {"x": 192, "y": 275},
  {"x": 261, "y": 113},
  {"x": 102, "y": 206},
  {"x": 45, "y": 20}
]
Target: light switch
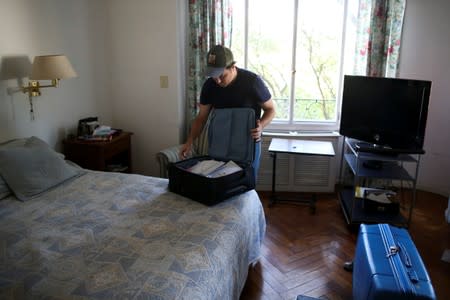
[{"x": 164, "y": 82}]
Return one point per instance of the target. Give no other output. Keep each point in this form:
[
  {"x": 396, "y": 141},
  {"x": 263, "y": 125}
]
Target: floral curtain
[
  {"x": 210, "y": 23},
  {"x": 380, "y": 25}
]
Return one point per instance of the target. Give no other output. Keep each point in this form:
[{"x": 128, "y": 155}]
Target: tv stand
[{"x": 380, "y": 171}]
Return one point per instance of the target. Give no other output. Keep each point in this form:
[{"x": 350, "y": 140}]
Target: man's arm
[
  {"x": 269, "y": 112},
  {"x": 268, "y": 108},
  {"x": 196, "y": 129}
]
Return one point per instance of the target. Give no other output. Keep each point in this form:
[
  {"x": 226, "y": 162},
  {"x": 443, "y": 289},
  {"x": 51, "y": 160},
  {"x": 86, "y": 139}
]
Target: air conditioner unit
[{"x": 298, "y": 173}]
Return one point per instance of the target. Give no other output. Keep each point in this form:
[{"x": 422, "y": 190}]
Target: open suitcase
[
  {"x": 387, "y": 265},
  {"x": 228, "y": 139}
]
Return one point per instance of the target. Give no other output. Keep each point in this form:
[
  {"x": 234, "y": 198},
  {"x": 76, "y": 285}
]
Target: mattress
[{"x": 118, "y": 236}]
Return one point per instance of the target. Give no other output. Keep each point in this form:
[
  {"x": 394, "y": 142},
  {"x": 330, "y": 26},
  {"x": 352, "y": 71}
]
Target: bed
[{"x": 118, "y": 236}]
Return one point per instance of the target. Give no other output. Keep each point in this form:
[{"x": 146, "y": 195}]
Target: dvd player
[{"x": 374, "y": 148}]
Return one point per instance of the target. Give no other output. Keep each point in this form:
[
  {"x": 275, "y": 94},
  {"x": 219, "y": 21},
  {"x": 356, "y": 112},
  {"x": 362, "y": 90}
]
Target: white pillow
[{"x": 33, "y": 168}]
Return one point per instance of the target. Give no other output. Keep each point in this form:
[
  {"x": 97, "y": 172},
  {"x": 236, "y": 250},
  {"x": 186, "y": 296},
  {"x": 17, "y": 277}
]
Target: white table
[{"x": 297, "y": 147}]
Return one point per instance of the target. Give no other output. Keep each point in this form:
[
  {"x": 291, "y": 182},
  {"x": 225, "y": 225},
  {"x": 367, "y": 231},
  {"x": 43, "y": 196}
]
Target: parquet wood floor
[{"x": 304, "y": 253}]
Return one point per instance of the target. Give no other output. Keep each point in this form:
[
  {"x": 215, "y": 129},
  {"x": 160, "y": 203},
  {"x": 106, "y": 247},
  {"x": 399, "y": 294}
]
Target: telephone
[{"x": 87, "y": 126}]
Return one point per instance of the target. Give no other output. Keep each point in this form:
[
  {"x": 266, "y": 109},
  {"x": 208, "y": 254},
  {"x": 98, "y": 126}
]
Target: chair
[{"x": 172, "y": 154}]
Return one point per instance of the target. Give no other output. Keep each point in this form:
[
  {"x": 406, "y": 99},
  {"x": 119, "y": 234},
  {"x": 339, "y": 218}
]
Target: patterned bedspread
[{"x": 119, "y": 236}]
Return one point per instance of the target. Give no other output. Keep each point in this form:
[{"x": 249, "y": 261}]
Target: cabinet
[
  {"x": 394, "y": 172},
  {"x": 114, "y": 155}
]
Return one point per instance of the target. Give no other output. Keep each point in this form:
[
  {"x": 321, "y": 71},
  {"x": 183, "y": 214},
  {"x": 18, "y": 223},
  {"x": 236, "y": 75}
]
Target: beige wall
[
  {"x": 147, "y": 43},
  {"x": 119, "y": 50},
  {"x": 37, "y": 27},
  {"x": 425, "y": 54}
]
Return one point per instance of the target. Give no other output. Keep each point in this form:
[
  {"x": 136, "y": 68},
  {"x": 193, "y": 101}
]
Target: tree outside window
[{"x": 297, "y": 47}]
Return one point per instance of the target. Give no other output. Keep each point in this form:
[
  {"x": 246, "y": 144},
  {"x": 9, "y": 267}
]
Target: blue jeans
[{"x": 256, "y": 159}]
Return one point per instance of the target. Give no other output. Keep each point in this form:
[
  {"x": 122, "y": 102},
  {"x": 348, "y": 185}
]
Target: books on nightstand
[
  {"x": 103, "y": 138},
  {"x": 101, "y": 133}
]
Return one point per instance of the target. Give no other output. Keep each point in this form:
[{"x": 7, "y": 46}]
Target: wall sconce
[{"x": 48, "y": 67}]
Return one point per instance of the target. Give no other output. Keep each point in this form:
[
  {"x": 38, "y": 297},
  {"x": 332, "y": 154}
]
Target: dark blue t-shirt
[{"x": 247, "y": 90}]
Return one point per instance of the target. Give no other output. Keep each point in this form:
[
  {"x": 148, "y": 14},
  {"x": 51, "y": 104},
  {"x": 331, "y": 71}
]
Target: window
[{"x": 299, "y": 48}]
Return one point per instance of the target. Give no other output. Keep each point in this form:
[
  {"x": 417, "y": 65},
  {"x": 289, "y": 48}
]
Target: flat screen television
[{"x": 385, "y": 114}]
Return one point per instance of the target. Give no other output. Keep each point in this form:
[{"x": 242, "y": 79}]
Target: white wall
[
  {"x": 119, "y": 50},
  {"x": 38, "y": 27},
  {"x": 425, "y": 54},
  {"x": 146, "y": 43}
]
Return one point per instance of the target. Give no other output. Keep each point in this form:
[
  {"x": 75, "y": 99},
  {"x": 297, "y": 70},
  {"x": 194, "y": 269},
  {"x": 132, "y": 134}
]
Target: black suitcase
[{"x": 228, "y": 139}]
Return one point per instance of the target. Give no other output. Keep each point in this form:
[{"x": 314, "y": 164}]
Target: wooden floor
[{"x": 304, "y": 253}]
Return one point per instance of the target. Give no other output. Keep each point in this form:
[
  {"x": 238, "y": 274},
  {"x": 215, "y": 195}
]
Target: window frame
[{"x": 304, "y": 126}]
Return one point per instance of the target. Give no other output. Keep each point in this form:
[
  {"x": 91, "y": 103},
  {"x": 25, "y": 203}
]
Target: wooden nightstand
[{"x": 114, "y": 155}]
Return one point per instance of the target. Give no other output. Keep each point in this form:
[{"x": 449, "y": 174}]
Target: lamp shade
[{"x": 48, "y": 67}]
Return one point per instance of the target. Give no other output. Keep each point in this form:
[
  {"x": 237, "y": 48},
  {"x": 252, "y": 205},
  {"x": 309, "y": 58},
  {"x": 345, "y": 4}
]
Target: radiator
[{"x": 298, "y": 173}]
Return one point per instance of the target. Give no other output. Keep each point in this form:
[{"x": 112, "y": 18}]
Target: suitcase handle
[
  {"x": 408, "y": 263},
  {"x": 404, "y": 255},
  {"x": 394, "y": 248},
  {"x": 245, "y": 183}
]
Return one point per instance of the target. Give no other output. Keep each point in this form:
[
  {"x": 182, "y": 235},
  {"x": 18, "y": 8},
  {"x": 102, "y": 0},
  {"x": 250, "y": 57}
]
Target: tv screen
[{"x": 385, "y": 113}]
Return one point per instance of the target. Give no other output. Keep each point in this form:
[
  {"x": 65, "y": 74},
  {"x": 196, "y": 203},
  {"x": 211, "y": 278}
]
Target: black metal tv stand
[{"x": 377, "y": 170}]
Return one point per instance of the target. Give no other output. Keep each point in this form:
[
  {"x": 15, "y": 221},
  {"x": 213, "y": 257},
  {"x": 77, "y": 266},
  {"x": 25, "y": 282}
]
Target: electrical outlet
[{"x": 164, "y": 82}]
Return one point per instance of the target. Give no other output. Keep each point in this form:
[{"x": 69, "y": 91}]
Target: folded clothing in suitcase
[
  {"x": 387, "y": 265},
  {"x": 229, "y": 139}
]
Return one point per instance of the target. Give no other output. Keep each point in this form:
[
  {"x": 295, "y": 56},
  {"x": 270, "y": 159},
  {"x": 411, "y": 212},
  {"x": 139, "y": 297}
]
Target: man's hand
[
  {"x": 186, "y": 150},
  {"x": 256, "y": 132},
  {"x": 196, "y": 129},
  {"x": 269, "y": 113}
]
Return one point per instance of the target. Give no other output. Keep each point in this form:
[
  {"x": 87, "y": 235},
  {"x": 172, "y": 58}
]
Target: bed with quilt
[{"x": 71, "y": 233}]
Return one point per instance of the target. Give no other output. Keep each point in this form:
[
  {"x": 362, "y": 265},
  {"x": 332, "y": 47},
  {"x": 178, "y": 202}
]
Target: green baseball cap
[{"x": 219, "y": 57}]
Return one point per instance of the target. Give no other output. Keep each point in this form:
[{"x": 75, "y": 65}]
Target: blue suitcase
[{"x": 387, "y": 265}]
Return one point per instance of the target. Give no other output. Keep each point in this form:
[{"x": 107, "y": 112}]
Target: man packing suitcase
[{"x": 228, "y": 86}]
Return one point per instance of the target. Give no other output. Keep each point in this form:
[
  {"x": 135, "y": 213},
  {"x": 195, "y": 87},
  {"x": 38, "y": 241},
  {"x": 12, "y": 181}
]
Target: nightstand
[{"x": 113, "y": 156}]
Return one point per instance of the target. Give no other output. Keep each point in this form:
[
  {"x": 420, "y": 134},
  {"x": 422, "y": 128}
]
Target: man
[{"x": 228, "y": 87}]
